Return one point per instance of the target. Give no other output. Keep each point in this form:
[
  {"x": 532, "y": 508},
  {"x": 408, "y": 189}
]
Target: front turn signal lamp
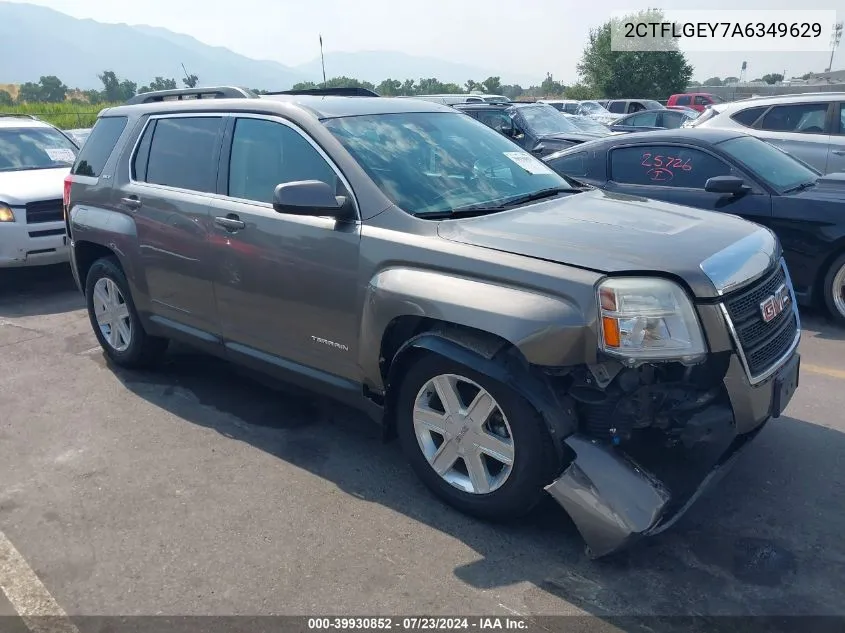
[
  {"x": 648, "y": 319},
  {"x": 6, "y": 213}
]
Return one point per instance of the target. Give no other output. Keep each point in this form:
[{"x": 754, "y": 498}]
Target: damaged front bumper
[{"x": 614, "y": 500}]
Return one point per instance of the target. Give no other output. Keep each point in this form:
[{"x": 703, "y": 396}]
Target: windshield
[
  {"x": 653, "y": 105},
  {"x": 591, "y": 107},
  {"x": 543, "y": 120},
  {"x": 35, "y": 148},
  {"x": 591, "y": 126},
  {"x": 428, "y": 162},
  {"x": 777, "y": 168}
]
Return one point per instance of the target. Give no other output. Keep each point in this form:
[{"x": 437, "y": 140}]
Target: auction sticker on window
[
  {"x": 529, "y": 163},
  {"x": 60, "y": 155}
]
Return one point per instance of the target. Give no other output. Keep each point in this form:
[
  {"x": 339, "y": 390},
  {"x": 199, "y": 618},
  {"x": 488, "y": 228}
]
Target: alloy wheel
[
  {"x": 112, "y": 314},
  {"x": 463, "y": 433}
]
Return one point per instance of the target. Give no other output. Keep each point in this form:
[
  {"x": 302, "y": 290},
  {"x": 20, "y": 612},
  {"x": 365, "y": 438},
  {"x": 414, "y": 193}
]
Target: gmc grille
[
  {"x": 762, "y": 344},
  {"x": 44, "y": 211}
]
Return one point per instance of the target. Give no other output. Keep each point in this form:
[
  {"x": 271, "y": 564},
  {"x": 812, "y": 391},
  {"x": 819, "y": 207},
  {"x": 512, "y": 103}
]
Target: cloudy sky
[{"x": 529, "y": 36}]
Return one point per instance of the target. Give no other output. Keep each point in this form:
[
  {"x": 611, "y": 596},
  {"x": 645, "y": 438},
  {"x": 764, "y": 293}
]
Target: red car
[{"x": 695, "y": 100}]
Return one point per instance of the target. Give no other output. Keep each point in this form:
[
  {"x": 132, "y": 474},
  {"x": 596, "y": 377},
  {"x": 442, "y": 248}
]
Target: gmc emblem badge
[{"x": 775, "y": 304}]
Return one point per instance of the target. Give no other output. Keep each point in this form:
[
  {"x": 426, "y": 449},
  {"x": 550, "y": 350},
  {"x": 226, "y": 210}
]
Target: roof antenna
[{"x": 322, "y": 59}]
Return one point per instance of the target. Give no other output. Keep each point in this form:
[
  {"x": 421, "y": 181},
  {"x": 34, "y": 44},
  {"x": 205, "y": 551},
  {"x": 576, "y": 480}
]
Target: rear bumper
[
  {"x": 32, "y": 244},
  {"x": 614, "y": 500}
]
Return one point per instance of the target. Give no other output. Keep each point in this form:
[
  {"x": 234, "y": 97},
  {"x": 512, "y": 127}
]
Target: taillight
[{"x": 66, "y": 195}]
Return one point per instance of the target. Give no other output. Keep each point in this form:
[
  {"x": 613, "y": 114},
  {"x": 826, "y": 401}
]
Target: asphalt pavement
[{"x": 195, "y": 490}]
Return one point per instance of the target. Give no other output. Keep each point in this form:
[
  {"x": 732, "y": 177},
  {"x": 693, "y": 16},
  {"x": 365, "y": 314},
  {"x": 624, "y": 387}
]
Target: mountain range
[{"x": 41, "y": 41}]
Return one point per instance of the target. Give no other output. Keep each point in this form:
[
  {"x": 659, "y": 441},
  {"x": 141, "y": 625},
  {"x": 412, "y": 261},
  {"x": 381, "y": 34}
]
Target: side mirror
[
  {"x": 725, "y": 185},
  {"x": 507, "y": 129},
  {"x": 311, "y": 197}
]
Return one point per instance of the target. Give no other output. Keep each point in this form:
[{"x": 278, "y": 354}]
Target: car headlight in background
[
  {"x": 6, "y": 213},
  {"x": 648, "y": 318}
]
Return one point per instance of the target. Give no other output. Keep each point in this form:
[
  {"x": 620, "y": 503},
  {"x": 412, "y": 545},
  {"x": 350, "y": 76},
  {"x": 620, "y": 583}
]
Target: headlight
[
  {"x": 6, "y": 214},
  {"x": 647, "y": 318}
]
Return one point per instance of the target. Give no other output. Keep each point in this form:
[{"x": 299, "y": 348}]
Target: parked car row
[{"x": 409, "y": 261}]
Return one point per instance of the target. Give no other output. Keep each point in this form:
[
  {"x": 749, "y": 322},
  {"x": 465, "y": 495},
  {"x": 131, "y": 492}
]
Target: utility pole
[{"x": 835, "y": 38}]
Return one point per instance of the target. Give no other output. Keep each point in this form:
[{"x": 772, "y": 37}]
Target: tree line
[{"x": 51, "y": 89}]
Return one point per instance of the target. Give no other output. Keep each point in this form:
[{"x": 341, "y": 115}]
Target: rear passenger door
[
  {"x": 801, "y": 129},
  {"x": 172, "y": 181},
  {"x": 286, "y": 285}
]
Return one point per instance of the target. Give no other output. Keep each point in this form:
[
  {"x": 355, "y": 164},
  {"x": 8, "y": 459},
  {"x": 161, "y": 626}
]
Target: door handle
[
  {"x": 231, "y": 223},
  {"x": 133, "y": 202}
]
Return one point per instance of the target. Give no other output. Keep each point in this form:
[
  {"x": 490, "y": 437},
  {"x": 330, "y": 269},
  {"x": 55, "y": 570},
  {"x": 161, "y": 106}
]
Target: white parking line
[{"x": 28, "y": 595}]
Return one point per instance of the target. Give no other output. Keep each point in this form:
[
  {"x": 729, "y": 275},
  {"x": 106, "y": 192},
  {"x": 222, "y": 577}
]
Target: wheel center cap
[{"x": 462, "y": 432}]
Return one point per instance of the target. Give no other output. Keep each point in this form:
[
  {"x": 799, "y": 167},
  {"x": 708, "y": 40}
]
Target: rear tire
[
  {"x": 115, "y": 320},
  {"x": 833, "y": 290},
  {"x": 513, "y": 430}
]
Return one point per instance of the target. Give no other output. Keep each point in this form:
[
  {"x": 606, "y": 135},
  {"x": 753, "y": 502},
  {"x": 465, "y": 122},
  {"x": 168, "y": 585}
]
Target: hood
[
  {"x": 830, "y": 187},
  {"x": 569, "y": 137},
  {"x": 18, "y": 188},
  {"x": 611, "y": 233}
]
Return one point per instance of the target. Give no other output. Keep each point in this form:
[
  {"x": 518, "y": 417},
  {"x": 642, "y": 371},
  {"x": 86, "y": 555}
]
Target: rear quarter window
[
  {"x": 748, "y": 116},
  {"x": 682, "y": 100},
  {"x": 99, "y": 146}
]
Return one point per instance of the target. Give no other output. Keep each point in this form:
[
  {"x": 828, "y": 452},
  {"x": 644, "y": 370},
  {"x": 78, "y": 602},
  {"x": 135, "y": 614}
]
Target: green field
[{"x": 63, "y": 115}]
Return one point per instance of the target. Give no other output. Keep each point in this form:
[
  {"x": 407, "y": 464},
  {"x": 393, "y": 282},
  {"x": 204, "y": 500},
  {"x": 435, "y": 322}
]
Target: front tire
[
  {"x": 473, "y": 441},
  {"x": 834, "y": 290},
  {"x": 115, "y": 320}
]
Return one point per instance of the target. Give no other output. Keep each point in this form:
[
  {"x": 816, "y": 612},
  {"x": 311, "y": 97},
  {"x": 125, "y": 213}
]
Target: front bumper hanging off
[{"x": 614, "y": 501}]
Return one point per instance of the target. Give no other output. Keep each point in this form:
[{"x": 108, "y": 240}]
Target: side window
[
  {"x": 636, "y": 106},
  {"x": 266, "y": 154},
  {"x": 572, "y": 165},
  {"x": 665, "y": 165},
  {"x": 683, "y": 100},
  {"x": 183, "y": 153},
  {"x": 495, "y": 120},
  {"x": 97, "y": 149},
  {"x": 699, "y": 100},
  {"x": 571, "y": 108},
  {"x": 617, "y": 107},
  {"x": 748, "y": 116},
  {"x": 841, "y": 130},
  {"x": 671, "y": 120},
  {"x": 806, "y": 118},
  {"x": 644, "y": 119}
]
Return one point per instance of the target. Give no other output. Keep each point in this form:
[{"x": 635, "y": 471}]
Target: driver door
[
  {"x": 285, "y": 284},
  {"x": 678, "y": 173}
]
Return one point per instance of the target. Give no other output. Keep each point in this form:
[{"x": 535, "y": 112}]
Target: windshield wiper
[
  {"x": 508, "y": 203},
  {"x": 801, "y": 187}
]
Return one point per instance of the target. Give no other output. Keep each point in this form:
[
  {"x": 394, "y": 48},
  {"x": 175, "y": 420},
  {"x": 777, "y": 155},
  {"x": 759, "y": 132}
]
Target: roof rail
[
  {"x": 184, "y": 94},
  {"x": 20, "y": 115},
  {"x": 329, "y": 92}
]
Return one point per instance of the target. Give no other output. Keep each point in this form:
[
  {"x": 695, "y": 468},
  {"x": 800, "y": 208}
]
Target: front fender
[
  {"x": 557, "y": 409},
  {"x": 547, "y": 330}
]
